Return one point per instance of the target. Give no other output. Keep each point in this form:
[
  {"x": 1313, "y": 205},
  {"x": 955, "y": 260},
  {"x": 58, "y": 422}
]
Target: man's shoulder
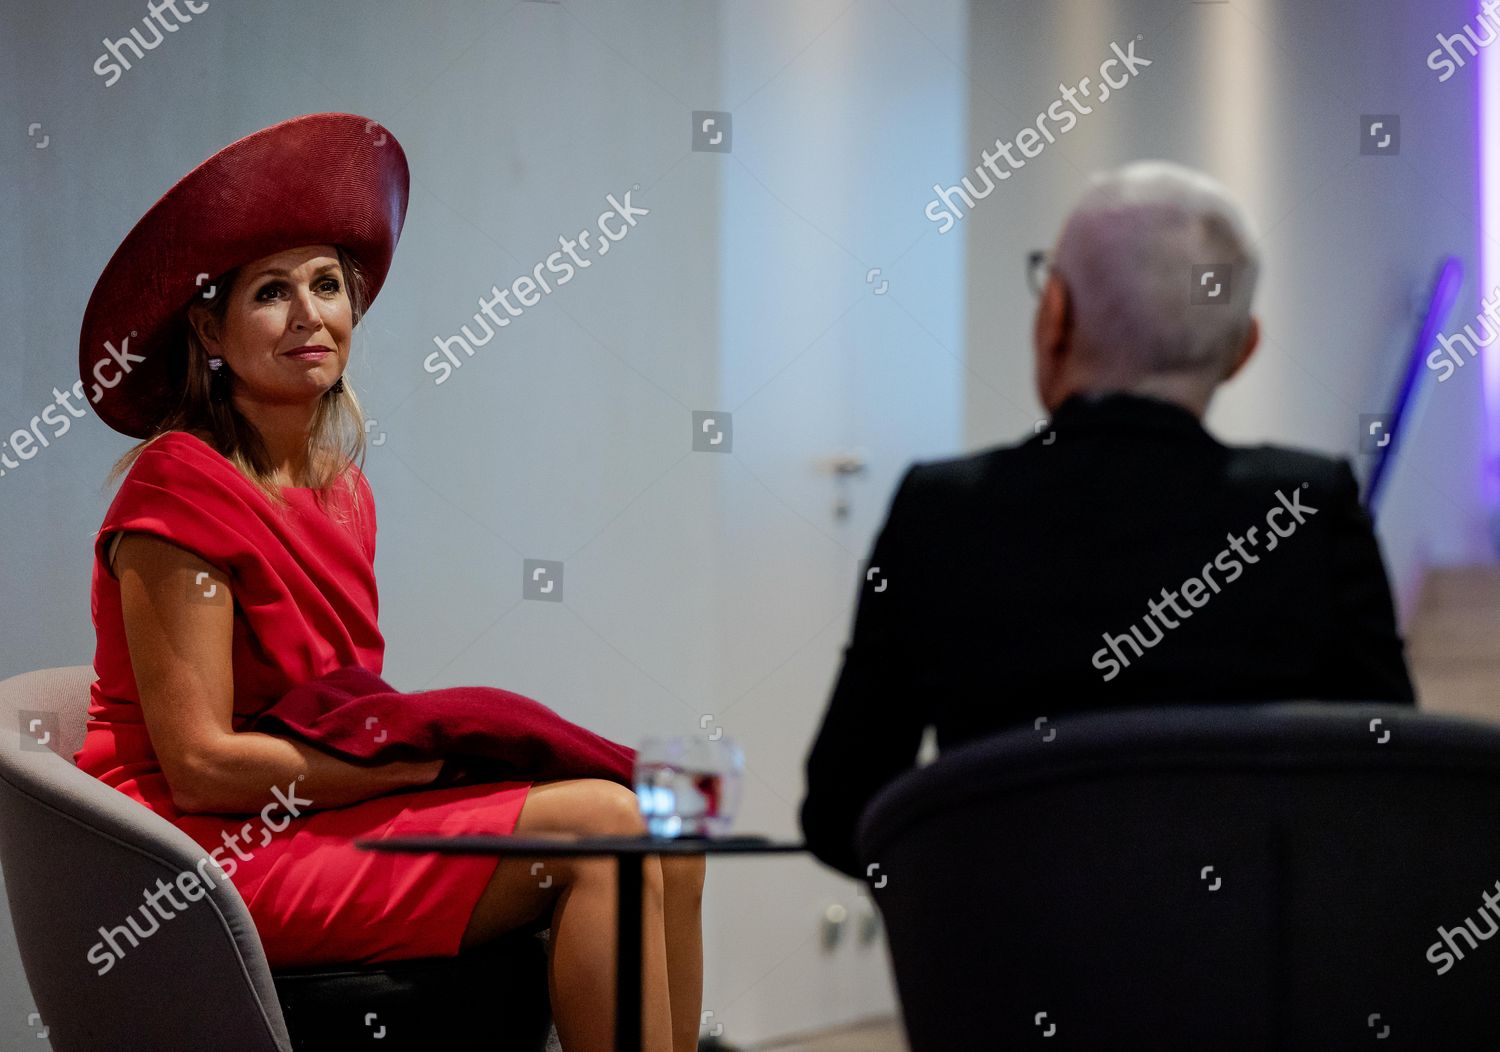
[
  {"x": 962, "y": 476},
  {"x": 1259, "y": 464},
  {"x": 1256, "y": 463},
  {"x": 959, "y": 470},
  {"x": 952, "y": 476}
]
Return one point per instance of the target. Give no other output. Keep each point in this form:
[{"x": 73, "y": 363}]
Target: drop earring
[
  {"x": 218, "y": 384},
  {"x": 338, "y": 386}
]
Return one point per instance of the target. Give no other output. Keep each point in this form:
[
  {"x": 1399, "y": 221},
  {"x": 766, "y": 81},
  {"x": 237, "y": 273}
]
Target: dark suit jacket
[{"x": 1018, "y": 583}]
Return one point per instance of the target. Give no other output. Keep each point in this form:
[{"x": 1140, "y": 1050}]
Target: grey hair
[{"x": 1127, "y": 253}]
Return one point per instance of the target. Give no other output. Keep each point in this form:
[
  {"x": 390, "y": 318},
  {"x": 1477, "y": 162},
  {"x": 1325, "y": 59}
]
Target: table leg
[{"x": 628, "y": 880}]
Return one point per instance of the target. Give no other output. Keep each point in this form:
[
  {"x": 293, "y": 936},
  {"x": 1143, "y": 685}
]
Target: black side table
[{"x": 630, "y": 884}]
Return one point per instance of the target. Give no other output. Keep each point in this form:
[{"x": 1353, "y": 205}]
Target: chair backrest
[
  {"x": 1290, "y": 875},
  {"x": 79, "y": 858}
]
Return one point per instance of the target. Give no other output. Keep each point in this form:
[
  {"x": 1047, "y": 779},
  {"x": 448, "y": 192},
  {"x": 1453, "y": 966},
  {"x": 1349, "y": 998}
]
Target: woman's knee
[
  {"x": 621, "y": 816},
  {"x": 586, "y": 806}
]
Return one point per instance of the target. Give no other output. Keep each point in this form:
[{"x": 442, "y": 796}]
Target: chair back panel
[
  {"x": 51, "y": 696},
  {"x": 1231, "y": 877}
]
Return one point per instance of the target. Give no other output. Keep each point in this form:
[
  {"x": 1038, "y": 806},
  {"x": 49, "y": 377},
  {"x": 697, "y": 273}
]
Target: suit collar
[{"x": 1121, "y": 411}]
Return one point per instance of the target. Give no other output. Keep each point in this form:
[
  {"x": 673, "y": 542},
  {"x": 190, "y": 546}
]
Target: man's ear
[
  {"x": 1247, "y": 348},
  {"x": 1050, "y": 337}
]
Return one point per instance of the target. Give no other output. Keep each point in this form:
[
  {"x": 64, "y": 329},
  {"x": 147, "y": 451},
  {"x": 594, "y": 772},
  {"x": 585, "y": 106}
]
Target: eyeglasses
[{"x": 1038, "y": 266}]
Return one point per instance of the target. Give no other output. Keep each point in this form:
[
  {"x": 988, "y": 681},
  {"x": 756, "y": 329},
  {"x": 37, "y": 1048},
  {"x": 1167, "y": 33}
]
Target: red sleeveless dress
[{"x": 304, "y": 604}]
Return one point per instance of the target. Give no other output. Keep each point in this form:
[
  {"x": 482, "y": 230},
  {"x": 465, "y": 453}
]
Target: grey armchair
[{"x": 75, "y": 851}]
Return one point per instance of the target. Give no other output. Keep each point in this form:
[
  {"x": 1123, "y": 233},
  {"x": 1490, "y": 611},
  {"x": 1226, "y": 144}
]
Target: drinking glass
[{"x": 689, "y": 785}]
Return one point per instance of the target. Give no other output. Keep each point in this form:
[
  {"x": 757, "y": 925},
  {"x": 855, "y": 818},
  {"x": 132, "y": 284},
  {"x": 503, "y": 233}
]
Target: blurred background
[{"x": 785, "y": 282}]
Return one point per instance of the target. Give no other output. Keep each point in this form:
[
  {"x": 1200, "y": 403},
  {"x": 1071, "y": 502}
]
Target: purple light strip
[{"x": 1487, "y": 105}]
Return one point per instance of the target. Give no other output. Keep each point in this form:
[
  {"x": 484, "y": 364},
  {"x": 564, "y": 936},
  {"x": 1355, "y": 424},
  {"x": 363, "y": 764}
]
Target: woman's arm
[{"x": 179, "y": 624}]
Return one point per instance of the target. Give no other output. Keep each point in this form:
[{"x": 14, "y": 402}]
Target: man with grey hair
[
  {"x": 1123, "y": 556},
  {"x": 1155, "y": 269}
]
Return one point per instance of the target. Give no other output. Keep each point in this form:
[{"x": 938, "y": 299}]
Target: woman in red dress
[{"x": 237, "y": 561}]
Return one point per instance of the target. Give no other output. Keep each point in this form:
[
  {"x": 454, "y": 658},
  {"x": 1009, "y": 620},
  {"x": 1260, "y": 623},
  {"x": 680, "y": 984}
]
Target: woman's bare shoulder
[{"x": 151, "y": 555}]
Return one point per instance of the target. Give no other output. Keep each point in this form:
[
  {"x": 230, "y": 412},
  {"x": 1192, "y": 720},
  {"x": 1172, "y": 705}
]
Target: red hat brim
[{"x": 323, "y": 178}]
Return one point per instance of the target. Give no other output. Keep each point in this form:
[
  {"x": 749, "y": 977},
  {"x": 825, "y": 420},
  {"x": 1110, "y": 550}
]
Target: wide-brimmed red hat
[{"x": 323, "y": 178}]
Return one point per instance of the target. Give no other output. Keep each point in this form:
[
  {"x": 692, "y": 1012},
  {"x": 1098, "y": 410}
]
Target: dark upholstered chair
[
  {"x": 1294, "y": 875},
  {"x": 78, "y": 854}
]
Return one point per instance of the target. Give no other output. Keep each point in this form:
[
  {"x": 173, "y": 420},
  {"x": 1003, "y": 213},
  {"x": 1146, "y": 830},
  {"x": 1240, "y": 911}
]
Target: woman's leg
[
  {"x": 682, "y": 903},
  {"x": 582, "y": 896}
]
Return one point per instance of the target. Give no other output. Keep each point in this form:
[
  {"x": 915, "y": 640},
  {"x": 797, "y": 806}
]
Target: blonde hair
[{"x": 335, "y": 440}]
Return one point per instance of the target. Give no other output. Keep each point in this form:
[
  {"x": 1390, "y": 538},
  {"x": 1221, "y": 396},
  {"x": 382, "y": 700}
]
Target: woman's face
[{"x": 279, "y": 305}]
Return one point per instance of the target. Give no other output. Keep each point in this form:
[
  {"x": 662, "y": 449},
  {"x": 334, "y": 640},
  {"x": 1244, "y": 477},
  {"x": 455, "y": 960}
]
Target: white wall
[{"x": 826, "y": 186}]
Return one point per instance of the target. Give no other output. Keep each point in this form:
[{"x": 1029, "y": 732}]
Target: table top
[{"x": 563, "y": 844}]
